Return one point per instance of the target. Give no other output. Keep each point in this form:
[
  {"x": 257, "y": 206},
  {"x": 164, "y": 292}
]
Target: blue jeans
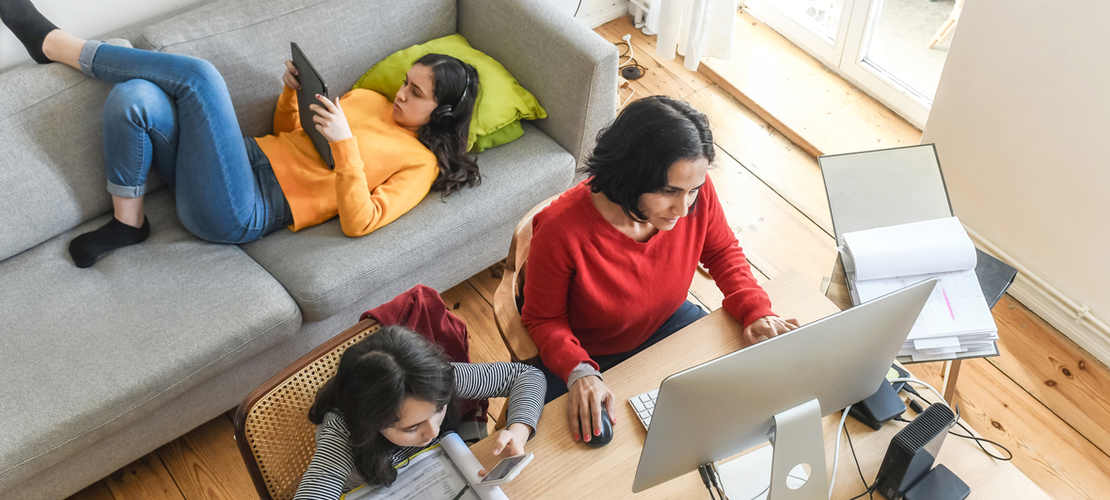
[
  {"x": 685, "y": 314},
  {"x": 174, "y": 112}
]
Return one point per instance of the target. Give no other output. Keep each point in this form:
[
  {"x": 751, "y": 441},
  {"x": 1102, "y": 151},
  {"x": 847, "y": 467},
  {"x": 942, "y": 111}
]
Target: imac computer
[{"x": 777, "y": 390}]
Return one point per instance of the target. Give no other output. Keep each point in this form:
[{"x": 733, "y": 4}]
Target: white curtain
[{"x": 696, "y": 28}]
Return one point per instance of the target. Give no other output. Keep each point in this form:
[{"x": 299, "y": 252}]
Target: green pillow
[{"x": 501, "y": 104}]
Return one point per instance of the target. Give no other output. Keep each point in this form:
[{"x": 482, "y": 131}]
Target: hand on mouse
[
  {"x": 766, "y": 327},
  {"x": 584, "y": 406}
]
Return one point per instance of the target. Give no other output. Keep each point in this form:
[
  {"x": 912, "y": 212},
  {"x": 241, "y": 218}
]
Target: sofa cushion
[
  {"x": 501, "y": 101},
  {"x": 52, "y": 169},
  {"x": 102, "y": 347},
  {"x": 326, "y": 271},
  {"x": 248, "y": 41}
]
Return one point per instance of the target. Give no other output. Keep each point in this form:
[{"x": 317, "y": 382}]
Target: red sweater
[{"x": 592, "y": 290}]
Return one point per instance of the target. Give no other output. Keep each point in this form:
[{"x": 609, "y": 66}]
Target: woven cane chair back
[{"x": 271, "y": 426}]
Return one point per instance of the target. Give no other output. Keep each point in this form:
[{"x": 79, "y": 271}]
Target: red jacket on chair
[{"x": 422, "y": 310}]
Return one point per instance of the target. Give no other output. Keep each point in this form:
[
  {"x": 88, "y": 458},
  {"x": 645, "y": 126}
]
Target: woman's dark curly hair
[
  {"x": 633, "y": 154},
  {"x": 446, "y": 133},
  {"x": 374, "y": 377}
]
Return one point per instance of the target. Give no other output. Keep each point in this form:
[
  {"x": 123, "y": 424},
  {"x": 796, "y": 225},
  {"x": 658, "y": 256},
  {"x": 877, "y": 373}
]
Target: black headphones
[{"x": 447, "y": 110}]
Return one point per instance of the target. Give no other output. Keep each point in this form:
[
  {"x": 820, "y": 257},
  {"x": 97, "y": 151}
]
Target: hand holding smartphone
[{"x": 505, "y": 470}]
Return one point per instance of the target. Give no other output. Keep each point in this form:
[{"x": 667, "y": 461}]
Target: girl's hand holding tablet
[{"x": 330, "y": 120}]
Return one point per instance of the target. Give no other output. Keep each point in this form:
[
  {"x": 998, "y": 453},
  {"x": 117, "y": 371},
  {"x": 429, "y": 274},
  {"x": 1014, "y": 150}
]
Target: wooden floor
[{"x": 1044, "y": 398}]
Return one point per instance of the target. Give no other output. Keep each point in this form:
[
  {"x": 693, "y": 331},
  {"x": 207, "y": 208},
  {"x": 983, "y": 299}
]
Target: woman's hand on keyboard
[
  {"x": 767, "y": 327},
  {"x": 584, "y": 406}
]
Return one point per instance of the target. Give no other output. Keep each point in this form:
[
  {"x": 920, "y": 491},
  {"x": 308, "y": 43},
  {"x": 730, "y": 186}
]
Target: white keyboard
[{"x": 644, "y": 404}]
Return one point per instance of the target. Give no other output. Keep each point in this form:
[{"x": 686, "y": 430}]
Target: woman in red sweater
[{"x": 612, "y": 259}]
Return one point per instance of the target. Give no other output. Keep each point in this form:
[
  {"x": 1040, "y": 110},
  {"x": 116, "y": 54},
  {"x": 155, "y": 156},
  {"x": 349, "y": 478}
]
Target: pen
[{"x": 460, "y": 494}]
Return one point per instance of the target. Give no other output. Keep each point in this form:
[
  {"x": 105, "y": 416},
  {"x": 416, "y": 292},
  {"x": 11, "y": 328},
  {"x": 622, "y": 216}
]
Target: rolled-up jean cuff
[
  {"x": 85, "y": 60},
  {"x": 126, "y": 191}
]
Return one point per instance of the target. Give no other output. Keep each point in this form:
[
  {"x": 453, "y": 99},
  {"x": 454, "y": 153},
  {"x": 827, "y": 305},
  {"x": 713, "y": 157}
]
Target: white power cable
[
  {"x": 836, "y": 452},
  {"x": 626, "y": 99},
  {"x": 844, "y": 417},
  {"x": 627, "y": 41}
]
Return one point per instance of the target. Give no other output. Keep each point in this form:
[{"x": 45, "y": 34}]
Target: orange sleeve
[
  {"x": 361, "y": 211},
  {"x": 287, "y": 116}
]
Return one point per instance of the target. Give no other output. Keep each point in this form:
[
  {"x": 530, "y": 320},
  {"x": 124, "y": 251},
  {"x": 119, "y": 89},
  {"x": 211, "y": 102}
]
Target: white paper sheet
[
  {"x": 439, "y": 472},
  {"x": 932, "y": 246},
  {"x": 956, "y": 306}
]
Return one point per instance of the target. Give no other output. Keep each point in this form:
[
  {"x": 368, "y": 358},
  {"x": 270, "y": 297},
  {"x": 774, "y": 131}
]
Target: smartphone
[{"x": 505, "y": 470}]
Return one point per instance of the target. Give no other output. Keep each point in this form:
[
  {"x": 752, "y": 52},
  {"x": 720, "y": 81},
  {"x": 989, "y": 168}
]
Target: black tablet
[{"x": 311, "y": 84}]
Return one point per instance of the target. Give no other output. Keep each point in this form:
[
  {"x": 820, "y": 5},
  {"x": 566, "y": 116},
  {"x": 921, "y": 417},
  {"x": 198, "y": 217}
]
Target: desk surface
[{"x": 565, "y": 469}]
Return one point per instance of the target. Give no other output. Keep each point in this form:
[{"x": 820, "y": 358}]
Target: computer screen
[{"x": 728, "y": 405}]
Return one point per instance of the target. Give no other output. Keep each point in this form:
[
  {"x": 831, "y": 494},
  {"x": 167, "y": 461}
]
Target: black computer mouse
[{"x": 606, "y": 434}]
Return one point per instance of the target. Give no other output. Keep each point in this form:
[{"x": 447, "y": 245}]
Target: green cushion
[{"x": 502, "y": 102}]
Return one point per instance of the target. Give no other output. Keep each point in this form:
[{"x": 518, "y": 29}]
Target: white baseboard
[
  {"x": 1074, "y": 320},
  {"x": 602, "y": 11}
]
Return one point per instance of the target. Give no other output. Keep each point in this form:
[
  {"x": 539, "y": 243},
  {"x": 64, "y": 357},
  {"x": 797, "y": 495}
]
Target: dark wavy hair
[
  {"x": 633, "y": 154},
  {"x": 374, "y": 377},
  {"x": 446, "y": 133}
]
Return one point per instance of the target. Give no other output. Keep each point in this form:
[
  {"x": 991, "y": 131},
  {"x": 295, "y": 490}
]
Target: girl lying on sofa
[
  {"x": 174, "y": 112},
  {"x": 393, "y": 395}
]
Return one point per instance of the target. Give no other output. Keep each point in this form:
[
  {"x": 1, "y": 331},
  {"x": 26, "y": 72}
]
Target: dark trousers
[{"x": 687, "y": 313}]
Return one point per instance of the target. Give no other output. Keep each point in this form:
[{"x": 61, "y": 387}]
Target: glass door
[
  {"x": 892, "y": 49},
  {"x": 815, "y": 25}
]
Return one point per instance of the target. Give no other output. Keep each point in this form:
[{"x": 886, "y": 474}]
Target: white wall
[
  {"x": 91, "y": 18},
  {"x": 1021, "y": 125},
  {"x": 88, "y": 18}
]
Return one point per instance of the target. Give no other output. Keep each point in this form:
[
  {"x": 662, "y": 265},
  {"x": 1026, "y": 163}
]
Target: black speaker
[{"x": 912, "y": 451}]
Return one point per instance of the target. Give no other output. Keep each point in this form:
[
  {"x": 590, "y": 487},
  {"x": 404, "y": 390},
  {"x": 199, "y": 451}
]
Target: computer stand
[{"x": 797, "y": 438}]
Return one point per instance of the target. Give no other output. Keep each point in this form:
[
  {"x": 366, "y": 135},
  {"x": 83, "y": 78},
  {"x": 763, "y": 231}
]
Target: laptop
[{"x": 311, "y": 84}]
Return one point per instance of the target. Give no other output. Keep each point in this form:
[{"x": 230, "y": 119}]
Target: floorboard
[
  {"x": 144, "y": 479},
  {"x": 206, "y": 463},
  {"x": 97, "y": 491},
  {"x": 1053, "y": 370}
]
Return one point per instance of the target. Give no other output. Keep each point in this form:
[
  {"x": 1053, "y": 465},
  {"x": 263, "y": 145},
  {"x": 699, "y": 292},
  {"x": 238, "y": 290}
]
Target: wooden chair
[
  {"x": 271, "y": 426},
  {"x": 948, "y": 26},
  {"x": 509, "y": 296}
]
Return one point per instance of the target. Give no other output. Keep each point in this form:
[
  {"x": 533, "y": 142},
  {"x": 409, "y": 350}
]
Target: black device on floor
[
  {"x": 939, "y": 484},
  {"x": 913, "y": 450},
  {"x": 879, "y": 408}
]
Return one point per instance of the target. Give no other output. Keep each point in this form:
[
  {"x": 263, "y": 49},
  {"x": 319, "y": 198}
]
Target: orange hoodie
[{"x": 380, "y": 173}]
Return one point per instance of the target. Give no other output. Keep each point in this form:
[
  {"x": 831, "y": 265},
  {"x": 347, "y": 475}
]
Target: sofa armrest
[{"x": 568, "y": 67}]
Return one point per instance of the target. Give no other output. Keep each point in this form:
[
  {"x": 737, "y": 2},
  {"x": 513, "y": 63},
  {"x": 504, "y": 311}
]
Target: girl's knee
[
  {"x": 201, "y": 73},
  {"x": 135, "y": 100}
]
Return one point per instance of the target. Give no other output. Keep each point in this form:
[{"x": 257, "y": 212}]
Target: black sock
[
  {"x": 89, "y": 247},
  {"x": 28, "y": 25}
]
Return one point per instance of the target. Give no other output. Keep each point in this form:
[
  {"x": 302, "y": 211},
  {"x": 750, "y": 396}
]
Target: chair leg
[{"x": 502, "y": 416}]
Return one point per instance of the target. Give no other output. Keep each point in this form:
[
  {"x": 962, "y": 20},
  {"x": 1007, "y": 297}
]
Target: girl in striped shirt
[{"x": 394, "y": 394}]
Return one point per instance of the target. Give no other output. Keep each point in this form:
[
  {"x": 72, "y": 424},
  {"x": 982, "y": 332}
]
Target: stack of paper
[{"x": 956, "y": 322}]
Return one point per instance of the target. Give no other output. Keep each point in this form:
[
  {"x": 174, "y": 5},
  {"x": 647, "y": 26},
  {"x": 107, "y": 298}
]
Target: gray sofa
[{"x": 100, "y": 366}]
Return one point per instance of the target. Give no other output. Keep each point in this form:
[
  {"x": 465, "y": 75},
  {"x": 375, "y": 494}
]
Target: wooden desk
[{"x": 566, "y": 469}]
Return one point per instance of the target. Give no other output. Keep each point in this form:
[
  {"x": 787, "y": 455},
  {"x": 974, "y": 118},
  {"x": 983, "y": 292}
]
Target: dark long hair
[
  {"x": 634, "y": 154},
  {"x": 373, "y": 379},
  {"x": 446, "y": 133}
]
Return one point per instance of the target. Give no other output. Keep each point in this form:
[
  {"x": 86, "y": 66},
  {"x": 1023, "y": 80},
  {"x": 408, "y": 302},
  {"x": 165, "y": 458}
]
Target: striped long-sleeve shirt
[{"x": 331, "y": 471}]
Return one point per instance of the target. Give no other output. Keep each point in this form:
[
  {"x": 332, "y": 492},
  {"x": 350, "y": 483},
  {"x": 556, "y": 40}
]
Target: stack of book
[{"x": 956, "y": 322}]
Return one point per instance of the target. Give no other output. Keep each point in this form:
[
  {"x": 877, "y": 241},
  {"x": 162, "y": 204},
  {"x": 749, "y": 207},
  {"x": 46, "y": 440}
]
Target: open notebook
[
  {"x": 957, "y": 320},
  {"x": 447, "y": 471}
]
